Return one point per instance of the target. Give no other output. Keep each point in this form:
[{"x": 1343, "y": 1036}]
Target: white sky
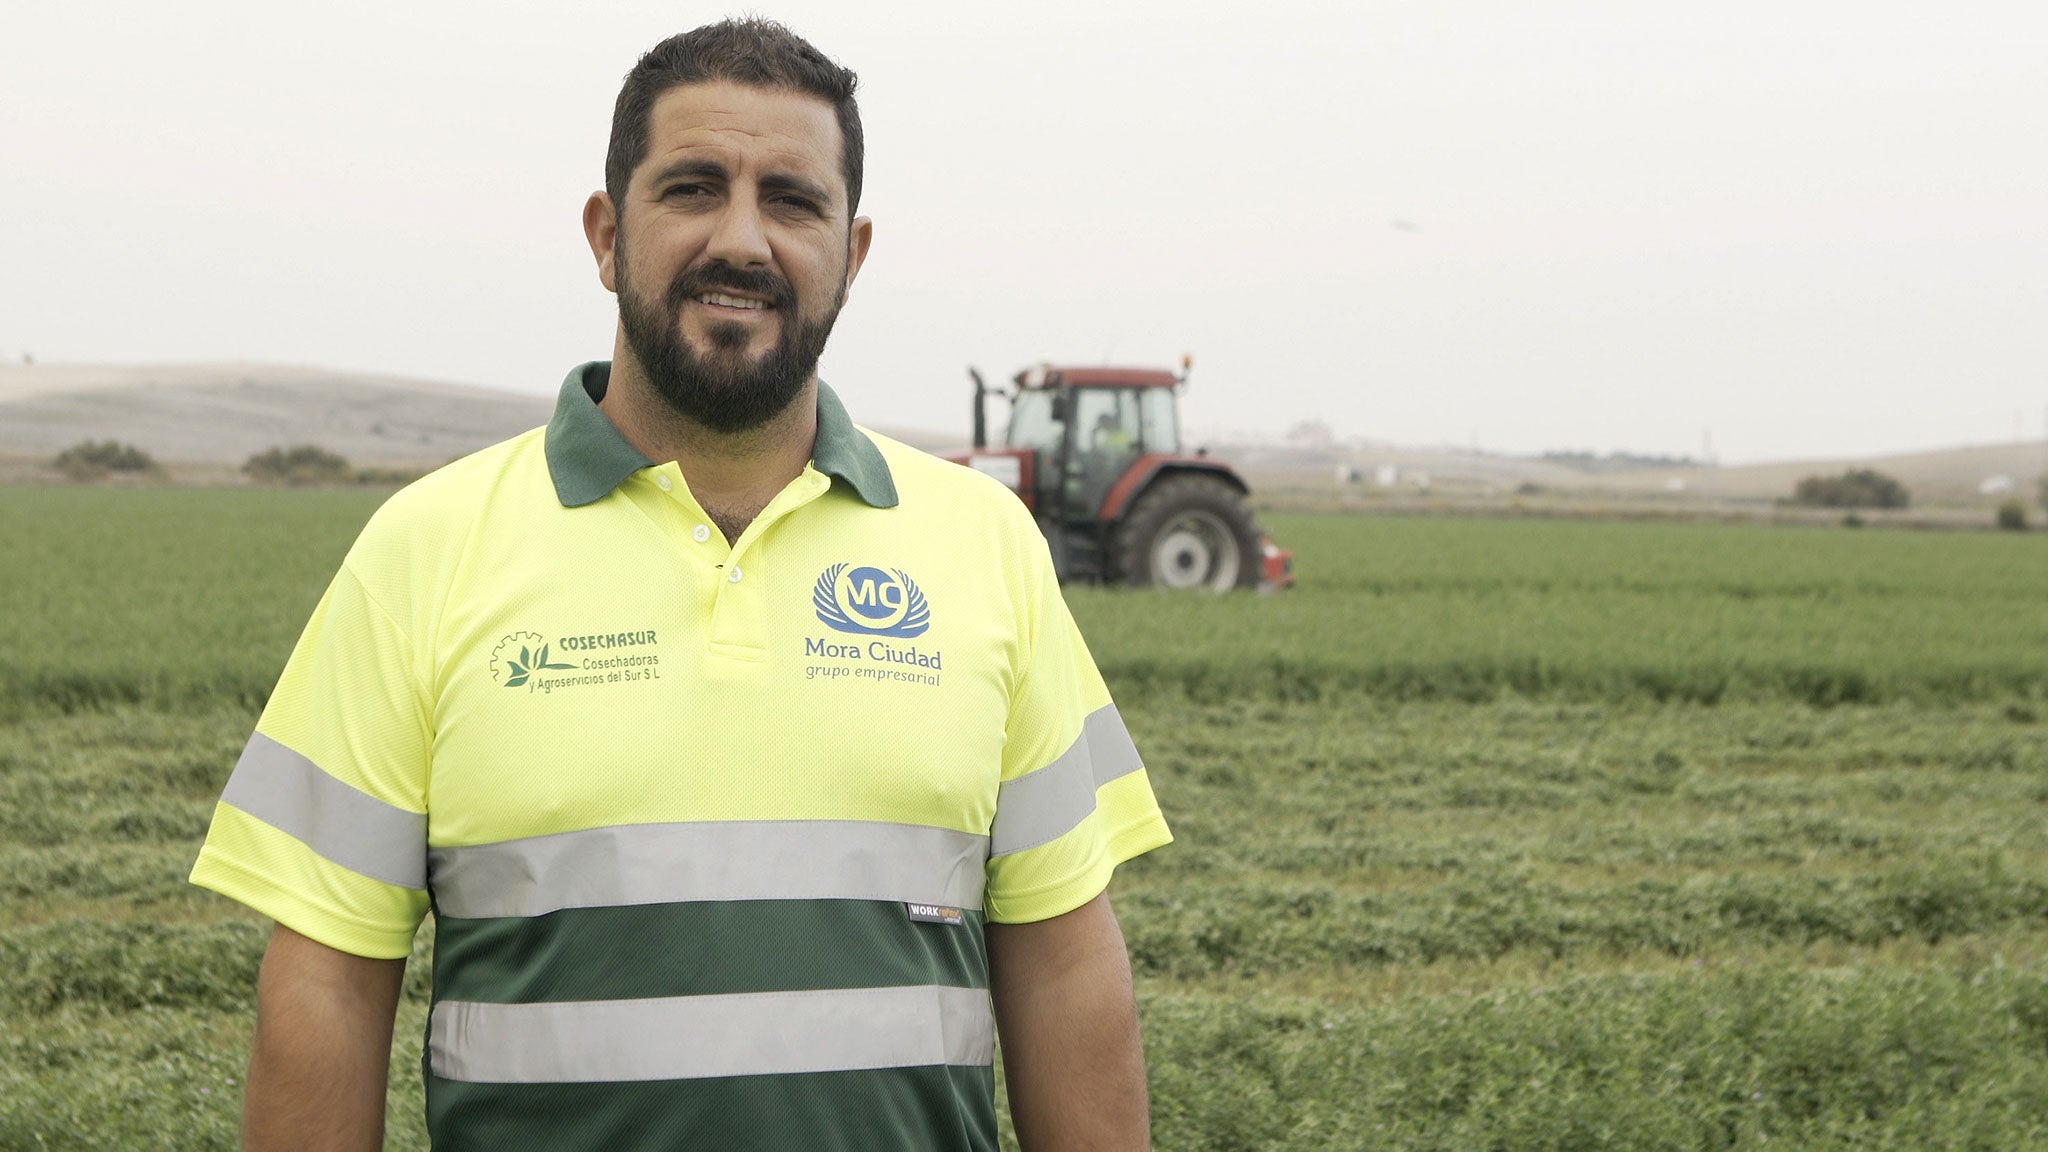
[{"x": 1815, "y": 228}]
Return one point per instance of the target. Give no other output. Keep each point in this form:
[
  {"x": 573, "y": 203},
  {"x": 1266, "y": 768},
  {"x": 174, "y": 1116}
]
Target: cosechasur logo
[
  {"x": 870, "y": 602},
  {"x": 519, "y": 656}
]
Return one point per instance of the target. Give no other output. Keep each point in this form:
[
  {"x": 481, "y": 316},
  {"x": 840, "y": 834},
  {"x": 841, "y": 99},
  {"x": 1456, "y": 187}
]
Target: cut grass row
[
  {"x": 1925, "y": 1058},
  {"x": 1187, "y": 934},
  {"x": 1608, "y": 611},
  {"x": 1922, "y": 1059}
]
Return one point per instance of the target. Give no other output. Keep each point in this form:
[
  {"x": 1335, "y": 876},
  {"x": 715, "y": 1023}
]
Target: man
[{"x": 750, "y": 763}]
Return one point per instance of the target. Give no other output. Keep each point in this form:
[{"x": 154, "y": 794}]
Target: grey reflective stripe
[
  {"x": 340, "y": 822},
  {"x": 691, "y": 1037},
  {"x": 1041, "y": 806},
  {"x": 1109, "y": 745},
  {"x": 735, "y": 860}
]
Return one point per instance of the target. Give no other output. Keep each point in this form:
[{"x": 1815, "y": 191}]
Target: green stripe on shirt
[
  {"x": 927, "y": 1109},
  {"x": 703, "y": 948}
]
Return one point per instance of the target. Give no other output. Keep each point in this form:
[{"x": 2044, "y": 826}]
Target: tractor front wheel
[{"x": 1189, "y": 531}]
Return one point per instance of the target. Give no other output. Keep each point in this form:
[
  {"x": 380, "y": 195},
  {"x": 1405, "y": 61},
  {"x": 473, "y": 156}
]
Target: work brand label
[{"x": 936, "y": 914}]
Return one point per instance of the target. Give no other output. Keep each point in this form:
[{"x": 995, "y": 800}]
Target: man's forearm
[
  {"x": 1072, "y": 1060},
  {"x": 318, "y": 1067}
]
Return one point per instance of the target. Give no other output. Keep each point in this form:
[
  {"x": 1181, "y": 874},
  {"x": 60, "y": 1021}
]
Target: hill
[
  {"x": 201, "y": 419},
  {"x": 1947, "y": 478},
  {"x": 220, "y": 414}
]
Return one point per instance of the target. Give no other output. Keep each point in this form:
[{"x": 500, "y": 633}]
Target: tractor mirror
[{"x": 1063, "y": 407}]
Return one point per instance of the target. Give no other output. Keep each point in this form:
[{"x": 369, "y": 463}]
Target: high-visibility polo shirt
[{"x": 710, "y": 829}]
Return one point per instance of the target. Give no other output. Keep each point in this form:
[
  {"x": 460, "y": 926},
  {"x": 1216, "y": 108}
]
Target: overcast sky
[{"x": 1815, "y": 228}]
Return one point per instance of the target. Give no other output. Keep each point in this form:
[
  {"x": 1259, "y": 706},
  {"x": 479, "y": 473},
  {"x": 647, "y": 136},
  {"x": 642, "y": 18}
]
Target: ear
[
  {"x": 858, "y": 237},
  {"x": 601, "y": 228}
]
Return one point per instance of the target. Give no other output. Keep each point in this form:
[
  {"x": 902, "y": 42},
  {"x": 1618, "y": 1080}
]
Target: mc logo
[{"x": 870, "y": 601}]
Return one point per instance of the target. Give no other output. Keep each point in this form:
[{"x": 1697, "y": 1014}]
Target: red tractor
[{"x": 1095, "y": 454}]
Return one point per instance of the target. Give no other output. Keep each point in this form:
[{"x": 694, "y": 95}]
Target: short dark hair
[{"x": 757, "y": 53}]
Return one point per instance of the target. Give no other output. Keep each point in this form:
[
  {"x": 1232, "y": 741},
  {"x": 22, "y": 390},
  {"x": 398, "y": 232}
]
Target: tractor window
[
  {"x": 1162, "y": 428},
  {"x": 1105, "y": 443},
  {"x": 1107, "y": 419},
  {"x": 1032, "y": 424}
]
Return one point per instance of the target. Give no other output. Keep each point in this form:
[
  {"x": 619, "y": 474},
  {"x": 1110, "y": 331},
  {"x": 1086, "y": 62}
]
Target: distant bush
[
  {"x": 1856, "y": 488},
  {"x": 1586, "y": 461},
  {"x": 93, "y": 459},
  {"x": 2012, "y": 515},
  {"x": 387, "y": 477},
  {"x": 302, "y": 464}
]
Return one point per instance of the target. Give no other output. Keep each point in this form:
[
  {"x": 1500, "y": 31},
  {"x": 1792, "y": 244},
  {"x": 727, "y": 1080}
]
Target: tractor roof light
[{"x": 1035, "y": 376}]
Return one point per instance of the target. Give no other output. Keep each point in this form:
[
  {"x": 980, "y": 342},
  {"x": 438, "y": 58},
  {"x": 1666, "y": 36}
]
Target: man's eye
[{"x": 685, "y": 191}]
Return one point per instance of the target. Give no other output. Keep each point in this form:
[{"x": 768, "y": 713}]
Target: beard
[{"x": 719, "y": 387}]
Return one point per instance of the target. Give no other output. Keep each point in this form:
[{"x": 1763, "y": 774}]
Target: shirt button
[
  {"x": 663, "y": 482},
  {"x": 733, "y": 574},
  {"x": 701, "y": 533}
]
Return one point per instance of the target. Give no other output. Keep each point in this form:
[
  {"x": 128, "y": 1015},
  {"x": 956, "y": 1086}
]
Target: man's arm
[
  {"x": 1069, "y": 1026},
  {"x": 323, "y": 1048}
]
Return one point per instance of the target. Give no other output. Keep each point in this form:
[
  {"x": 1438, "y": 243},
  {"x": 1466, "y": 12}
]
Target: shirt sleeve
[
  {"x": 323, "y": 826},
  {"x": 1074, "y": 801}
]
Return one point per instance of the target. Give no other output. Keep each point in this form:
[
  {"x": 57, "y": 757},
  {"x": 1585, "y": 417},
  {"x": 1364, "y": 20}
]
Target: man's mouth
[{"x": 724, "y": 301}]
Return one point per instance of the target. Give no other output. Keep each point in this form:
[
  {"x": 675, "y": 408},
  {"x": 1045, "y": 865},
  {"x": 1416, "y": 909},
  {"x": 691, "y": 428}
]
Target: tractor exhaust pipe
[{"x": 980, "y": 407}]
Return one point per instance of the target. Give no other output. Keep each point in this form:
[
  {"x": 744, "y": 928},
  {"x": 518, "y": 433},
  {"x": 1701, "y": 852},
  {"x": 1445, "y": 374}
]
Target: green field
[{"x": 1492, "y": 835}]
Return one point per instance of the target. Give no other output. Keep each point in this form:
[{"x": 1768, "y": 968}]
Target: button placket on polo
[
  {"x": 695, "y": 544},
  {"x": 699, "y": 531},
  {"x": 739, "y": 615}
]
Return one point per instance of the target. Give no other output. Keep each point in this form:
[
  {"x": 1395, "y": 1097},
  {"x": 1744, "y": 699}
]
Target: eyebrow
[
  {"x": 800, "y": 186},
  {"x": 692, "y": 166},
  {"x": 704, "y": 168}
]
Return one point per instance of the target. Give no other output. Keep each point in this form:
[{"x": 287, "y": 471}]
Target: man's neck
[{"x": 733, "y": 475}]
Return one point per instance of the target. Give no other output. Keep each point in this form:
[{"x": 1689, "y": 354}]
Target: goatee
[{"x": 719, "y": 387}]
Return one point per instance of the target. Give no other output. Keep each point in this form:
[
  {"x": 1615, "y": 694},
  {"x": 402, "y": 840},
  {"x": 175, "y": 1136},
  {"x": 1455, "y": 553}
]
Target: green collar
[{"x": 588, "y": 458}]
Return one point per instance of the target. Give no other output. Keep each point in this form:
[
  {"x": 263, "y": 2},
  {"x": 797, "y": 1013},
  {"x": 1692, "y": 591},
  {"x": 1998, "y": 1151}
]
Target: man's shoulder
[
  {"x": 925, "y": 478},
  {"x": 424, "y": 522},
  {"x": 462, "y": 487},
  {"x": 975, "y": 521}
]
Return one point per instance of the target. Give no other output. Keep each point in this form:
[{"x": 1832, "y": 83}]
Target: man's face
[{"x": 733, "y": 251}]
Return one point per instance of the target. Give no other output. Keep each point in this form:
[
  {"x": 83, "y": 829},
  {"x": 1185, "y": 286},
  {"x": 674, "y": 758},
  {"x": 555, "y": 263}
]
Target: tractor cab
[
  {"x": 1095, "y": 453},
  {"x": 1087, "y": 427}
]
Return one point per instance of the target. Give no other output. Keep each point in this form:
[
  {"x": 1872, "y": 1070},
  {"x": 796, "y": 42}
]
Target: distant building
[
  {"x": 1311, "y": 434},
  {"x": 1997, "y": 486}
]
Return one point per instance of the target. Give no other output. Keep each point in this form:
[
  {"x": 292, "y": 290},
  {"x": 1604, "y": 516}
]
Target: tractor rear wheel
[{"x": 1189, "y": 531}]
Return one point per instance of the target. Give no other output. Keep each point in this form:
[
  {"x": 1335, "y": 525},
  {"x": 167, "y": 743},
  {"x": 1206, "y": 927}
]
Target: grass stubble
[{"x": 1492, "y": 835}]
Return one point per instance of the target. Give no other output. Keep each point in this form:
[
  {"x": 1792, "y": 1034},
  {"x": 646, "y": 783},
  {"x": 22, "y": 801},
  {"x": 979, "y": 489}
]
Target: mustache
[{"x": 693, "y": 282}]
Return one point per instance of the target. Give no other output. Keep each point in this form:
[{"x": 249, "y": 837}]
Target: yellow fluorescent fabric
[
  {"x": 349, "y": 704},
  {"x": 519, "y": 645},
  {"x": 373, "y": 735},
  {"x": 1130, "y": 817},
  {"x": 286, "y": 881},
  {"x": 1057, "y": 689}
]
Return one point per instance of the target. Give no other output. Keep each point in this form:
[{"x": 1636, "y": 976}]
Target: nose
[{"x": 739, "y": 239}]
